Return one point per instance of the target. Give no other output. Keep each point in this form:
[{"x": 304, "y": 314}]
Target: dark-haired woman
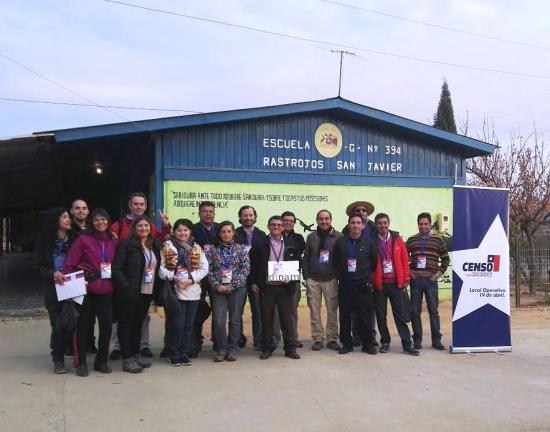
[
  {"x": 185, "y": 265},
  {"x": 229, "y": 267},
  {"x": 93, "y": 252},
  {"x": 135, "y": 273},
  {"x": 50, "y": 254}
]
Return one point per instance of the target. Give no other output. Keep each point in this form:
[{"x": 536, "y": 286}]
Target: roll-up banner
[{"x": 481, "y": 276}]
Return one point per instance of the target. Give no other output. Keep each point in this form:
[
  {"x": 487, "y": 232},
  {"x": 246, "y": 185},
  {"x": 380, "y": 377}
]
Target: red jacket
[
  {"x": 122, "y": 229},
  {"x": 400, "y": 262}
]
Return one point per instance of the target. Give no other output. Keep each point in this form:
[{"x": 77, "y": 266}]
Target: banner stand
[{"x": 481, "y": 271}]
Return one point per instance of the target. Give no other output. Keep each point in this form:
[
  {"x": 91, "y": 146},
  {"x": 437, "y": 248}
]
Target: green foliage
[{"x": 444, "y": 118}]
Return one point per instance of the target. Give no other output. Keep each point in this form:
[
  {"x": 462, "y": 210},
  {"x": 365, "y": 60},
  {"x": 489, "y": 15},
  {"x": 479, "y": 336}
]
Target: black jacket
[
  {"x": 297, "y": 241},
  {"x": 240, "y": 235},
  {"x": 43, "y": 260},
  {"x": 366, "y": 254},
  {"x": 202, "y": 236},
  {"x": 259, "y": 256},
  {"x": 128, "y": 268}
]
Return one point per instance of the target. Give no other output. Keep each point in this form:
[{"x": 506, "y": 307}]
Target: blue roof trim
[
  {"x": 294, "y": 178},
  {"x": 470, "y": 146}
]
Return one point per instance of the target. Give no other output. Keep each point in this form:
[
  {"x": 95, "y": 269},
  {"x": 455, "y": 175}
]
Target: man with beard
[
  {"x": 248, "y": 234},
  {"x": 321, "y": 281}
]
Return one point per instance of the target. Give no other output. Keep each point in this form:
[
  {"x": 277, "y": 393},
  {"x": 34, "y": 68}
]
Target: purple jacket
[{"x": 86, "y": 253}]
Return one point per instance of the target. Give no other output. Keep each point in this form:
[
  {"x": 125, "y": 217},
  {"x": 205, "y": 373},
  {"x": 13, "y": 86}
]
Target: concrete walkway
[{"x": 323, "y": 391}]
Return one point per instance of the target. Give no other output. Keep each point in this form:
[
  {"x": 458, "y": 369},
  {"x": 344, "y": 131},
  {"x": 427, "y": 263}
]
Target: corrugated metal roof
[{"x": 469, "y": 147}]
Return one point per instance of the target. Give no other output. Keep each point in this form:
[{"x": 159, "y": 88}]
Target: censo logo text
[{"x": 492, "y": 265}]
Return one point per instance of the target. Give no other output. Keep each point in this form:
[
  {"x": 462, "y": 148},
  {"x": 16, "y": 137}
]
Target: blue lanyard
[
  {"x": 423, "y": 244},
  {"x": 384, "y": 246},
  {"x": 102, "y": 251},
  {"x": 150, "y": 260},
  {"x": 277, "y": 256},
  {"x": 225, "y": 258},
  {"x": 352, "y": 248},
  {"x": 248, "y": 237}
]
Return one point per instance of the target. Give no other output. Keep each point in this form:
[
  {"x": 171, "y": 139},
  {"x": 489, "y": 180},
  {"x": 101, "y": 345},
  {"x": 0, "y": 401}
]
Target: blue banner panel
[{"x": 481, "y": 278}]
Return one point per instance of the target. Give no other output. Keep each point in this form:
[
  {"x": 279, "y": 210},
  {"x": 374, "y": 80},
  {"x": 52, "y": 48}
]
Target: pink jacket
[{"x": 87, "y": 253}]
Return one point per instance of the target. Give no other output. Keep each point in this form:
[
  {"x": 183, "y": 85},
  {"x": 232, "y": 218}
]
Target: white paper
[
  {"x": 79, "y": 299},
  {"x": 74, "y": 285},
  {"x": 283, "y": 271}
]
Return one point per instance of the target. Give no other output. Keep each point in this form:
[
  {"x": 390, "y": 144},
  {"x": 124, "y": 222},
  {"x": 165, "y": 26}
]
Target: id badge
[
  {"x": 421, "y": 262},
  {"x": 387, "y": 266},
  {"x": 105, "y": 270},
  {"x": 352, "y": 265},
  {"x": 277, "y": 269},
  {"x": 182, "y": 273},
  {"x": 208, "y": 247},
  {"x": 323, "y": 256},
  {"x": 148, "y": 275},
  {"x": 227, "y": 275}
]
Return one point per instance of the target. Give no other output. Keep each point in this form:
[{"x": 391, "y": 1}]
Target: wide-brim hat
[{"x": 366, "y": 204}]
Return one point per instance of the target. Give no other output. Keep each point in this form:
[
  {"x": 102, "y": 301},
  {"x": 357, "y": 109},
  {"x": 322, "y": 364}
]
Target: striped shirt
[{"x": 431, "y": 247}]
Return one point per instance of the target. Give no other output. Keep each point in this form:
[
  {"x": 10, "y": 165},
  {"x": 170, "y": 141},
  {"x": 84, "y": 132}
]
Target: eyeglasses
[{"x": 360, "y": 210}]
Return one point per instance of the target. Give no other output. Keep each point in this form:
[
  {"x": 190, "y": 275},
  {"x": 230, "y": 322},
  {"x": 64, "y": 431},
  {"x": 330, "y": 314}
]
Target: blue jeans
[
  {"x": 180, "y": 326},
  {"x": 224, "y": 305},
  {"x": 423, "y": 286}
]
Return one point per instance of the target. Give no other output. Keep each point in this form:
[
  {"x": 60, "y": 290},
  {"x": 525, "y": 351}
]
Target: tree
[
  {"x": 444, "y": 118},
  {"x": 523, "y": 167}
]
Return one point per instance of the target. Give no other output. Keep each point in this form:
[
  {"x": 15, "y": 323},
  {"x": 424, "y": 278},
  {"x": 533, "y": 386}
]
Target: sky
[{"x": 103, "y": 53}]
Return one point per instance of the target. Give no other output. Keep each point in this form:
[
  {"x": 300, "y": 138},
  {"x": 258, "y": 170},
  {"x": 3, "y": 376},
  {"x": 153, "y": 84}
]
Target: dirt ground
[{"x": 321, "y": 392}]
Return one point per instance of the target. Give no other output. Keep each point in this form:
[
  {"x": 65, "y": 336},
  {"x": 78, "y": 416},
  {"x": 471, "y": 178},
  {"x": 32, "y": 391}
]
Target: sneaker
[
  {"x": 141, "y": 361},
  {"x": 130, "y": 365},
  {"x": 184, "y": 361},
  {"x": 174, "y": 362},
  {"x": 146, "y": 352},
  {"x": 163, "y": 353},
  {"x": 410, "y": 350},
  {"x": 418, "y": 345},
  {"x": 384, "y": 348},
  {"x": 115, "y": 354},
  {"x": 231, "y": 357},
  {"x": 438, "y": 346},
  {"x": 345, "y": 349},
  {"x": 59, "y": 367},
  {"x": 317, "y": 346},
  {"x": 102, "y": 367},
  {"x": 333, "y": 345},
  {"x": 82, "y": 370},
  {"x": 292, "y": 354},
  {"x": 369, "y": 350},
  {"x": 219, "y": 357},
  {"x": 243, "y": 341}
]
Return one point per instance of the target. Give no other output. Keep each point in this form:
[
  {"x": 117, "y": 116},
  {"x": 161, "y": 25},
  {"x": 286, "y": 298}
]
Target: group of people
[{"x": 195, "y": 270}]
